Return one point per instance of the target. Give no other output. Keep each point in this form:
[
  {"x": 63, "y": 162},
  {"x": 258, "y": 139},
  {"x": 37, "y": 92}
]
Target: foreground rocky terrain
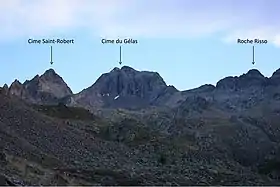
[{"x": 130, "y": 128}]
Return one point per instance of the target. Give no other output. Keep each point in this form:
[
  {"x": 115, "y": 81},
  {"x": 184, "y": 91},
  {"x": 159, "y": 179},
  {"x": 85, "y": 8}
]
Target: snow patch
[{"x": 105, "y": 94}]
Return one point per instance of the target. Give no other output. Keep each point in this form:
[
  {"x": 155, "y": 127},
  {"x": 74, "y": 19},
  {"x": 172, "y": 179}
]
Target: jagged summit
[
  {"x": 47, "y": 88},
  {"x": 209, "y": 137},
  {"x": 50, "y": 71},
  {"x": 5, "y": 86},
  {"x": 16, "y": 89},
  {"x": 275, "y": 78},
  {"x": 115, "y": 69},
  {"x": 50, "y": 74},
  {"x": 16, "y": 81},
  {"x": 254, "y": 73},
  {"x": 124, "y": 69},
  {"x": 5, "y": 89},
  {"x": 127, "y": 85},
  {"x": 276, "y": 73},
  {"x": 128, "y": 81},
  {"x": 128, "y": 69},
  {"x": 252, "y": 78}
]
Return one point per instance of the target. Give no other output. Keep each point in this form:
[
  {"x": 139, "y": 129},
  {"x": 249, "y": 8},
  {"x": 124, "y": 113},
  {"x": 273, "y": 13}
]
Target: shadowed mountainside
[
  {"x": 48, "y": 88},
  {"x": 226, "y": 134}
]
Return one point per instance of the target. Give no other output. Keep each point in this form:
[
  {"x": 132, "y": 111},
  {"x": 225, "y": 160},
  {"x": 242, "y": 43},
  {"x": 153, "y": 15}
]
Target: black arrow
[
  {"x": 120, "y": 62},
  {"x": 253, "y": 55},
  {"x": 51, "y": 56}
]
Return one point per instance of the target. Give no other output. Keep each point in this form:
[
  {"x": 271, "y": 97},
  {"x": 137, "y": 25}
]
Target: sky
[{"x": 188, "y": 42}]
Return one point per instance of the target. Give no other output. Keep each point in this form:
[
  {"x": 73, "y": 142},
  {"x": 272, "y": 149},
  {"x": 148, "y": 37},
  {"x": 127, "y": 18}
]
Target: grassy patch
[
  {"x": 64, "y": 112},
  {"x": 272, "y": 165},
  {"x": 128, "y": 131}
]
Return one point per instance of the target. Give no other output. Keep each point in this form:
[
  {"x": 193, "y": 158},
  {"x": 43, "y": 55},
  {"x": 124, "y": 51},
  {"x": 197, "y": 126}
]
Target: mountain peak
[
  {"x": 274, "y": 79},
  {"x": 123, "y": 70},
  {"x": 16, "y": 88},
  {"x": 5, "y": 89},
  {"x": 127, "y": 68},
  {"x": 115, "y": 69},
  {"x": 46, "y": 89},
  {"x": 252, "y": 78},
  {"x": 130, "y": 86},
  {"x": 16, "y": 82},
  {"x": 276, "y": 73},
  {"x": 254, "y": 73},
  {"x": 125, "y": 82},
  {"x": 50, "y": 73}
]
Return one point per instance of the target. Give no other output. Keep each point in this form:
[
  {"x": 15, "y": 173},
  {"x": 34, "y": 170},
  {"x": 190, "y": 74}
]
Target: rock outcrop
[
  {"x": 211, "y": 135},
  {"x": 45, "y": 89},
  {"x": 250, "y": 79},
  {"x": 131, "y": 89},
  {"x": 124, "y": 88},
  {"x": 275, "y": 78}
]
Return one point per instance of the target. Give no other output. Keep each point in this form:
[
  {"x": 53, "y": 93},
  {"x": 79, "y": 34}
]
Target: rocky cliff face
[
  {"x": 235, "y": 93},
  {"x": 251, "y": 79},
  {"x": 275, "y": 78},
  {"x": 16, "y": 89},
  {"x": 132, "y": 89},
  {"x": 5, "y": 89},
  {"x": 45, "y": 89},
  {"x": 226, "y": 134},
  {"x": 124, "y": 88}
]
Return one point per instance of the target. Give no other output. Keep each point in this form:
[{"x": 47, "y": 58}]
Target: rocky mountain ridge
[
  {"x": 226, "y": 134},
  {"x": 48, "y": 88},
  {"x": 235, "y": 93},
  {"x": 131, "y": 89},
  {"x": 123, "y": 88}
]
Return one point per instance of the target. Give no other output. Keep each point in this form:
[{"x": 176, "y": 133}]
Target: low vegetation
[{"x": 64, "y": 112}]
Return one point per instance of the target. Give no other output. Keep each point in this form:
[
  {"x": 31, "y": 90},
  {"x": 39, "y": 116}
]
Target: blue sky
[{"x": 189, "y": 42}]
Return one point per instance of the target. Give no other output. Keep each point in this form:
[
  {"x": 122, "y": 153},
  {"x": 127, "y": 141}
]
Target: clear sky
[{"x": 189, "y": 42}]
